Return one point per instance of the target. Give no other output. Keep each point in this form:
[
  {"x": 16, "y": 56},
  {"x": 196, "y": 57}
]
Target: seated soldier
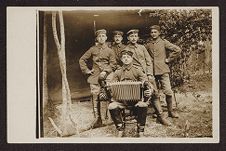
[{"x": 128, "y": 72}]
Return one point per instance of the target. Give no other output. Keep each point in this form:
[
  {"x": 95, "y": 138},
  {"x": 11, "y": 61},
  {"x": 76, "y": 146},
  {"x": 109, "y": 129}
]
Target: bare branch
[
  {"x": 62, "y": 30},
  {"x": 56, "y": 39}
]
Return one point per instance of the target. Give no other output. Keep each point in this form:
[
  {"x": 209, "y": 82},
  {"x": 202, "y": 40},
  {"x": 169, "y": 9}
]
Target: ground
[{"x": 194, "y": 105}]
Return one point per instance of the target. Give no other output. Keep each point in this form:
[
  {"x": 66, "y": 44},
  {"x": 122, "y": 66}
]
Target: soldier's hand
[
  {"x": 103, "y": 95},
  {"x": 151, "y": 78},
  {"x": 89, "y": 72},
  {"x": 103, "y": 74},
  {"x": 148, "y": 93},
  {"x": 167, "y": 60}
]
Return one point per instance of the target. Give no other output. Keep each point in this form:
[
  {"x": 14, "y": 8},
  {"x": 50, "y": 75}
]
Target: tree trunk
[{"x": 68, "y": 126}]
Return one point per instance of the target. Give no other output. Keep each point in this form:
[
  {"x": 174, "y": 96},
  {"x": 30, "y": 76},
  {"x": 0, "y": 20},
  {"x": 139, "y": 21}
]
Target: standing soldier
[
  {"x": 157, "y": 49},
  {"x": 143, "y": 61},
  {"x": 103, "y": 60},
  {"x": 117, "y": 45}
]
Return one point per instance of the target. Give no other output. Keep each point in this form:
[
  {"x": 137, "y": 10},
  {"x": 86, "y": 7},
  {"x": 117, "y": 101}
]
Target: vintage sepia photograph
[{"x": 124, "y": 72}]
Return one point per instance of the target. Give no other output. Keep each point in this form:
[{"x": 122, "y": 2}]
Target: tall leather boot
[
  {"x": 117, "y": 119},
  {"x": 141, "y": 120},
  {"x": 158, "y": 110},
  {"x": 97, "y": 112},
  {"x": 169, "y": 101}
]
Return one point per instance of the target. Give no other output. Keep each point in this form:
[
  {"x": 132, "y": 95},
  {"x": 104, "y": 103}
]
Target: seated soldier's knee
[
  {"x": 113, "y": 105},
  {"x": 101, "y": 78},
  {"x": 141, "y": 104}
]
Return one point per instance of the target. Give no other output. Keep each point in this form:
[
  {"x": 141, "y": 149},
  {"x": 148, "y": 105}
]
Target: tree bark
[{"x": 68, "y": 126}]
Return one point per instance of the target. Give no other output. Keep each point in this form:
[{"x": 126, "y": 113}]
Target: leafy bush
[{"x": 185, "y": 28}]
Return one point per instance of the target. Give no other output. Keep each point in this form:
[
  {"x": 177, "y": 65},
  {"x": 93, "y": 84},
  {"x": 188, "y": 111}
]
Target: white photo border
[{"x": 21, "y": 79}]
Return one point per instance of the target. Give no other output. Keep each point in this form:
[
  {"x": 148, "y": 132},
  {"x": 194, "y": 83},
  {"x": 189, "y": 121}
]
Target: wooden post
[
  {"x": 44, "y": 76},
  {"x": 44, "y": 103}
]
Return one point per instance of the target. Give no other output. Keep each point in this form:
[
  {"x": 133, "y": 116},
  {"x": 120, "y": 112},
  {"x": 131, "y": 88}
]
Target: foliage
[{"x": 185, "y": 28}]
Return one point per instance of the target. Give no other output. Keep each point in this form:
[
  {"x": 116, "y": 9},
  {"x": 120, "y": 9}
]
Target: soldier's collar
[
  {"x": 119, "y": 45},
  {"x": 127, "y": 67},
  {"x": 135, "y": 45},
  {"x": 102, "y": 46},
  {"x": 156, "y": 41}
]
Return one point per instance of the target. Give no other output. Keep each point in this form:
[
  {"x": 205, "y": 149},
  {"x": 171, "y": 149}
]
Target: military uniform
[
  {"x": 158, "y": 50},
  {"x": 129, "y": 73},
  {"x": 117, "y": 48},
  {"x": 141, "y": 58},
  {"x": 144, "y": 62},
  {"x": 103, "y": 59}
]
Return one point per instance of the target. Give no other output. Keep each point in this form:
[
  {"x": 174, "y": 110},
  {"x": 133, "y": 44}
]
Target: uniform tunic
[
  {"x": 158, "y": 52},
  {"x": 141, "y": 58},
  {"x": 103, "y": 59},
  {"x": 117, "y": 48},
  {"x": 130, "y": 73}
]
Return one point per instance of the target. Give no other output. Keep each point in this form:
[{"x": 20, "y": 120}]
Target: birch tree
[{"x": 67, "y": 125}]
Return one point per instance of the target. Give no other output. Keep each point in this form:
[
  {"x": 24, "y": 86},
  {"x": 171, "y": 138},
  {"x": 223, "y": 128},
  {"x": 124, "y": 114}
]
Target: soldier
[
  {"x": 141, "y": 57},
  {"x": 128, "y": 72},
  {"x": 117, "y": 45},
  {"x": 143, "y": 61},
  {"x": 157, "y": 49},
  {"x": 103, "y": 59}
]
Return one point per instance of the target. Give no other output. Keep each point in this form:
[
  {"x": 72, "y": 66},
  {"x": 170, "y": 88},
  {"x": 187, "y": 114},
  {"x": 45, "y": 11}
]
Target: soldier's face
[
  {"x": 101, "y": 38},
  {"x": 154, "y": 33},
  {"x": 117, "y": 39},
  {"x": 133, "y": 38},
  {"x": 126, "y": 59}
]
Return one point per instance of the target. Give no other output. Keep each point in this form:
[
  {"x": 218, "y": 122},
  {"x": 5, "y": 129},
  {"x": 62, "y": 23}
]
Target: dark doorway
[{"x": 79, "y": 35}]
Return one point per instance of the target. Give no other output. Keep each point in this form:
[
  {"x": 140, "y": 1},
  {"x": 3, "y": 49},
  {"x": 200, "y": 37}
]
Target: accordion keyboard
[{"x": 126, "y": 90}]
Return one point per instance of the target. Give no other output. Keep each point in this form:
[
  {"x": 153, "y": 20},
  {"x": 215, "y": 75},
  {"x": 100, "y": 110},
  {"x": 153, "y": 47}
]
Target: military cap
[
  {"x": 132, "y": 31},
  {"x": 157, "y": 27},
  {"x": 126, "y": 51},
  {"x": 101, "y": 31},
  {"x": 117, "y": 32}
]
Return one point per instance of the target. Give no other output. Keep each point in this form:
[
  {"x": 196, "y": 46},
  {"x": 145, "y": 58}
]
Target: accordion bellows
[{"x": 126, "y": 90}]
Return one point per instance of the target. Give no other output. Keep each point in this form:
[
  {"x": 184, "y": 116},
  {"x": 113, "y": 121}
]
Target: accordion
[{"x": 131, "y": 91}]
